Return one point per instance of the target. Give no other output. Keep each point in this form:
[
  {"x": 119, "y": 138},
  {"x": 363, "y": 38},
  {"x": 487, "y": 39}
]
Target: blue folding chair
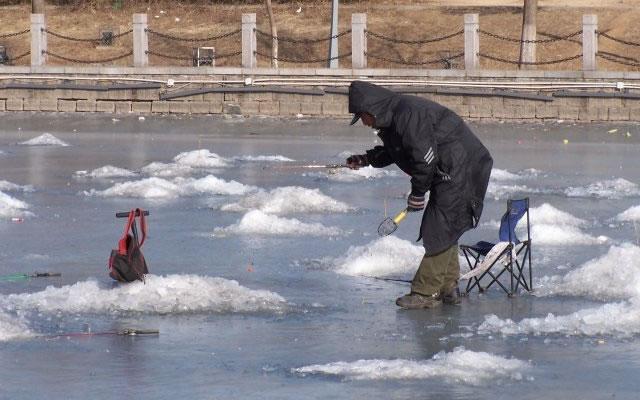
[{"x": 514, "y": 259}]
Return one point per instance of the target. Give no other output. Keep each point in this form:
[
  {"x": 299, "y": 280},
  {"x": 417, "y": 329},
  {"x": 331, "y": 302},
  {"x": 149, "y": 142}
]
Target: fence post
[
  {"x": 249, "y": 43},
  {"x": 140, "y": 41},
  {"x": 471, "y": 41},
  {"x": 589, "y": 42},
  {"x": 38, "y": 40},
  {"x": 358, "y": 40}
]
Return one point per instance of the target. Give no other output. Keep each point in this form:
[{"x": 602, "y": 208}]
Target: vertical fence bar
[
  {"x": 140, "y": 41},
  {"x": 471, "y": 41},
  {"x": 333, "y": 46},
  {"x": 589, "y": 42},
  {"x": 38, "y": 40},
  {"x": 249, "y": 43},
  {"x": 359, "y": 40}
]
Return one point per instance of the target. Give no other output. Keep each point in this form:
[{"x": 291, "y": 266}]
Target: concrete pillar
[
  {"x": 589, "y": 42},
  {"x": 140, "y": 41},
  {"x": 249, "y": 43},
  {"x": 38, "y": 40},
  {"x": 471, "y": 41},
  {"x": 358, "y": 40}
]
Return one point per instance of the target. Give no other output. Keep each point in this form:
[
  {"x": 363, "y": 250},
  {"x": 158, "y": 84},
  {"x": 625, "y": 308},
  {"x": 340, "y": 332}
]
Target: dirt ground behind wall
[{"x": 407, "y": 20}]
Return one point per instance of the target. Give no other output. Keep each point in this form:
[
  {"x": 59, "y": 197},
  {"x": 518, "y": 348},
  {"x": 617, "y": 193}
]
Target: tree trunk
[
  {"x": 528, "y": 50},
  {"x": 37, "y": 6},
  {"x": 274, "y": 34}
]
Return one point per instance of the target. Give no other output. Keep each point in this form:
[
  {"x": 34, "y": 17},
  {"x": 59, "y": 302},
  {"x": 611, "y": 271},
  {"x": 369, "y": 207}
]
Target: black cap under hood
[{"x": 374, "y": 100}]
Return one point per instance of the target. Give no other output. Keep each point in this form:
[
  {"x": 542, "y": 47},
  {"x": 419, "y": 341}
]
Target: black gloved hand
[
  {"x": 357, "y": 161},
  {"x": 415, "y": 203}
]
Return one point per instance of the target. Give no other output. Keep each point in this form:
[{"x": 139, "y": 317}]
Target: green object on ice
[{"x": 17, "y": 277}]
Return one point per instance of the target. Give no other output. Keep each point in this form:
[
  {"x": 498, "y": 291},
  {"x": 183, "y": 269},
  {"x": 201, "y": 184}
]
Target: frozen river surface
[{"x": 260, "y": 279}]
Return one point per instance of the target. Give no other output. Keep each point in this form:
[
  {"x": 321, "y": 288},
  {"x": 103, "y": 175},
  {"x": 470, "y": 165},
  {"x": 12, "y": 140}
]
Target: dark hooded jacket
[{"x": 438, "y": 150}]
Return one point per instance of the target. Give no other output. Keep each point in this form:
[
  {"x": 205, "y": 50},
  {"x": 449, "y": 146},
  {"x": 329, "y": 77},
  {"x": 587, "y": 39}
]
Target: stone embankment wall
[{"x": 520, "y": 95}]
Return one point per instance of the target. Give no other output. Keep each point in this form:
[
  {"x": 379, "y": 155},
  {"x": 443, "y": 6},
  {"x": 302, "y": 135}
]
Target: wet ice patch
[
  {"x": 108, "y": 171},
  {"x": 201, "y": 158},
  {"x": 13, "y": 328},
  {"x": 614, "y": 276},
  {"x": 382, "y": 257},
  {"x": 257, "y": 222},
  {"x": 12, "y": 187},
  {"x": 459, "y": 366},
  {"x": 609, "y": 189},
  {"x": 159, "y": 188},
  {"x": 287, "y": 200},
  {"x": 159, "y": 295},
  {"x": 616, "y": 319},
  {"x": 45, "y": 139},
  {"x": 12, "y": 207},
  {"x": 631, "y": 214}
]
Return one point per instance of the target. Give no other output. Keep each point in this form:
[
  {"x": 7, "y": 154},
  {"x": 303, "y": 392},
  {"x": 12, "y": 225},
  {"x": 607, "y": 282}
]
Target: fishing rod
[
  {"x": 15, "y": 277},
  {"x": 311, "y": 166}
]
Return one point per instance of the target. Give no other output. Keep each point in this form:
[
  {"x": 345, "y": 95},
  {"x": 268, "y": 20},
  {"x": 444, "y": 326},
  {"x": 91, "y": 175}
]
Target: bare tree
[
  {"x": 37, "y": 6},
  {"x": 528, "y": 50},
  {"x": 274, "y": 35}
]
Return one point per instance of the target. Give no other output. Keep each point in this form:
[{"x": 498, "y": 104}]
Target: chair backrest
[{"x": 516, "y": 209}]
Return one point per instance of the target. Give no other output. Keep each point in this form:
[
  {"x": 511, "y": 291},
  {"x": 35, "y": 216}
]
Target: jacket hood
[{"x": 374, "y": 100}]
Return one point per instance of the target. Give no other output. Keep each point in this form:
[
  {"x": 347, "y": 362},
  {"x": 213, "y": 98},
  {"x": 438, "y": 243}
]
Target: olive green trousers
[{"x": 437, "y": 273}]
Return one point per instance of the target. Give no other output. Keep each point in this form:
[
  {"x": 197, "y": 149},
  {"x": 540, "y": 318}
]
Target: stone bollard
[
  {"x": 249, "y": 43},
  {"x": 589, "y": 42},
  {"x": 471, "y": 41},
  {"x": 359, "y": 40},
  {"x": 38, "y": 40},
  {"x": 140, "y": 41}
]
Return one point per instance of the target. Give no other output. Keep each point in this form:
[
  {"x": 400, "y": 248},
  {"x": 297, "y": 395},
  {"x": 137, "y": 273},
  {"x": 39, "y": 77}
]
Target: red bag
[{"x": 127, "y": 263}]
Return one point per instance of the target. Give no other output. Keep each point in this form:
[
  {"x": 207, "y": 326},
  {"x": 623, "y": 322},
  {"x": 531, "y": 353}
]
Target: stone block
[
  {"x": 604, "y": 102},
  {"x": 49, "y": 105},
  {"x": 178, "y": 107},
  {"x": 449, "y": 100},
  {"x": 145, "y": 94},
  {"x": 160, "y": 107},
  {"x": 249, "y": 108},
  {"x": 505, "y": 112},
  {"x": 527, "y": 111},
  {"x": 84, "y": 94},
  {"x": 618, "y": 114},
  {"x": 67, "y": 105},
  {"x": 233, "y": 97},
  {"x": 105, "y": 106},
  {"x": 479, "y": 110},
  {"x": 86, "y": 105},
  {"x": 31, "y": 105},
  {"x": 123, "y": 107},
  {"x": 291, "y": 108},
  {"x": 572, "y": 102},
  {"x": 515, "y": 102},
  {"x": 199, "y": 107},
  {"x": 568, "y": 113},
  {"x": 334, "y": 109},
  {"x": 3, "y": 105},
  {"x": 310, "y": 108},
  {"x": 46, "y": 94},
  {"x": 269, "y": 107},
  {"x": 213, "y": 97},
  {"x": 141, "y": 106},
  {"x": 547, "y": 111},
  {"x": 593, "y": 114},
  {"x": 120, "y": 94},
  {"x": 14, "y": 104},
  {"x": 215, "y": 107},
  {"x": 231, "y": 108},
  {"x": 262, "y": 96}
]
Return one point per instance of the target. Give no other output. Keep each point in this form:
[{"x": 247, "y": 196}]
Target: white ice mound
[
  {"x": 499, "y": 190},
  {"x": 503, "y": 175},
  {"x": 556, "y": 235},
  {"x": 201, "y": 158},
  {"x": 12, "y": 207},
  {"x": 548, "y": 214},
  {"x": 355, "y": 175},
  {"x": 631, "y": 214},
  {"x": 263, "y": 158},
  {"x": 13, "y": 328},
  {"x": 108, "y": 171},
  {"x": 615, "y": 319},
  {"x": 609, "y": 189},
  {"x": 382, "y": 257},
  {"x": 459, "y": 366},
  {"x": 614, "y": 276},
  {"x": 163, "y": 170},
  {"x": 158, "y": 188},
  {"x": 12, "y": 187},
  {"x": 288, "y": 200},
  {"x": 45, "y": 139},
  {"x": 257, "y": 222},
  {"x": 159, "y": 295}
]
